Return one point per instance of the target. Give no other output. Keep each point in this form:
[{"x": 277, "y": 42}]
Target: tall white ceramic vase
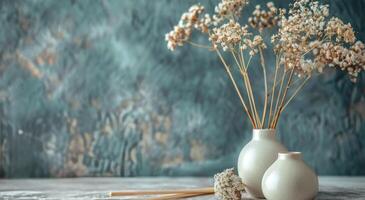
[
  {"x": 289, "y": 178},
  {"x": 256, "y": 157}
]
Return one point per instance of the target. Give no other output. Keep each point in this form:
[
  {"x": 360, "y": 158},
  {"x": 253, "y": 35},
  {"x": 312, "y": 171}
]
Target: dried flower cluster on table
[
  {"x": 305, "y": 40},
  {"x": 227, "y": 185}
]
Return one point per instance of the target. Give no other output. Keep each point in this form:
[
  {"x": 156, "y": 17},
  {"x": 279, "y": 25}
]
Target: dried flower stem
[
  {"x": 293, "y": 83},
  {"x": 199, "y": 45},
  {"x": 266, "y": 94},
  {"x": 235, "y": 58},
  {"x": 278, "y": 97},
  {"x": 277, "y": 65},
  {"x": 243, "y": 72},
  {"x": 290, "y": 99},
  {"x": 248, "y": 87},
  {"x": 252, "y": 97},
  {"x": 296, "y": 91},
  {"x": 250, "y": 90},
  {"x": 283, "y": 97},
  {"x": 242, "y": 58},
  {"x": 248, "y": 63},
  {"x": 250, "y": 94},
  {"x": 235, "y": 86}
]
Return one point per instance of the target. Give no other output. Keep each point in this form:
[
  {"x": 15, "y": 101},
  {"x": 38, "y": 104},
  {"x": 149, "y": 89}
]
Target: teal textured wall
[{"x": 88, "y": 88}]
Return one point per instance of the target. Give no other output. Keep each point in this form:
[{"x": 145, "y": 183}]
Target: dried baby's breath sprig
[
  {"x": 228, "y": 35},
  {"x": 340, "y": 31},
  {"x": 228, "y": 186},
  {"x": 177, "y": 37},
  {"x": 255, "y": 44},
  {"x": 310, "y": 41},
  {"x": 351, "y": 60},
  {"x": 304, "y": 25},
  {"x": 262, "y": 19},
  {"x": 228, "y": 9},
  {"x": 189, "y": 20}
]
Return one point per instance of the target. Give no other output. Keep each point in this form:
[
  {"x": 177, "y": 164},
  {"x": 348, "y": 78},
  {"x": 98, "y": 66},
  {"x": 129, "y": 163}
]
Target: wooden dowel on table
[
  {"x": 178, "y": 196},
  {"x": 151, "y": 192}
]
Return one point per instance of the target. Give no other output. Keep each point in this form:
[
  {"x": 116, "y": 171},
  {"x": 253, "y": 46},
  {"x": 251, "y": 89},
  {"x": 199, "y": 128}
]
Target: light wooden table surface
[{"x": 331, "y": 188}]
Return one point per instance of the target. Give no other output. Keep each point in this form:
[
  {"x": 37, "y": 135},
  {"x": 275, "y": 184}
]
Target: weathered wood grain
[{"x": 331, "y": 188}]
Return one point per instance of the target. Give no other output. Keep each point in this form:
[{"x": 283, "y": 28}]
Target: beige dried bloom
[
  {"x": 351, "y": 60},
  {"x": 228, "y": 35},
  {"x": 232, "y": 35},
  {"x": 310, "y": 41},
  {"x": 189, "y": 20},
  {"x": 227, "y": 185},
  {"x": 262, "y": 19},
  {"x": 254, "y": 44},
  {"x": 177, "y": 37},
  {"x": 227, "y": 9},
  {"x": 298, "y": 32},
  {"x": 341, "y": 31}
]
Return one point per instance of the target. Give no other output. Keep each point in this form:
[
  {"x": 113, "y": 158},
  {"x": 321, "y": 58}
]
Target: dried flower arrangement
[{"x": 306, "y": 40}]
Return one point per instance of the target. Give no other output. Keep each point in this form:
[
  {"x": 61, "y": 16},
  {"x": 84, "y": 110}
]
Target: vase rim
[
  {"x": 290, "y": 155},
  {"x": 263, "y": 134},
  {"x": 264, "y": 129}
]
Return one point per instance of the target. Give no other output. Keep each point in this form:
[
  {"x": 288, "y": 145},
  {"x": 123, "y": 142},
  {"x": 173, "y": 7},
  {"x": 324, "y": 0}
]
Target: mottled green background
[{"x": 88, "y": 88}]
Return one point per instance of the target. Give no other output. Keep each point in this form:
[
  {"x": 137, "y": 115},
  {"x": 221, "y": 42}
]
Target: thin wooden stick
[
  {"x": 265, "y": 79},
  {"x": 235, "y": 58},
  {"x": 248, "y": 63},
  {"x": 153, "y": 192},
  {"x": 253, "y": 99},
  {"x": 293, "y": 83},
  {"x": 248, "y": 94},
  {"x": 296, "y": 92},
  {"x": 178, "y": 196},
  {"x": 273, "y": 89},
  {"x": 278, "y": 97},
  {"x": 199, "y": 45},
  {"x": 235, "y": 86},
  {"x": 283, "y": 98},
  {"x": 243, "y": 70},
  {"x": 243, "y": 59}
]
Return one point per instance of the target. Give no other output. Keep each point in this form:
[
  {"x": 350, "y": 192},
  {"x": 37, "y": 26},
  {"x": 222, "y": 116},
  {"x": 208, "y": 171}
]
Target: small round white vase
[
  {"x": 256, "y": 157},
  {"x": 289, "y": 178}
]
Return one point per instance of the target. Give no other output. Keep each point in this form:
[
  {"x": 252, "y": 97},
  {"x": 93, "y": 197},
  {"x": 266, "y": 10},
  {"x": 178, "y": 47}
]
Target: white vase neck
[
  {"x": 262, "y": 134},
  {"x": 290, "y": 156}
]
